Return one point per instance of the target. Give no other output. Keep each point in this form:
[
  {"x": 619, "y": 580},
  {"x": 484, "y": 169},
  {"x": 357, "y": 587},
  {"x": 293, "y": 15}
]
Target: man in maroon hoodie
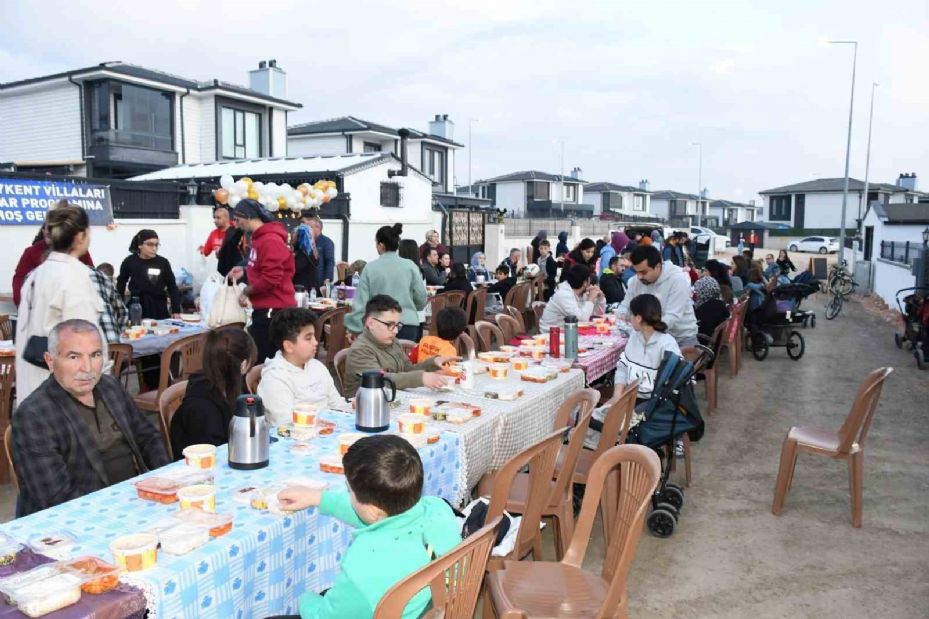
[
  {"x": 268, "y": 273},
  {"x": 33, "y": 256}
]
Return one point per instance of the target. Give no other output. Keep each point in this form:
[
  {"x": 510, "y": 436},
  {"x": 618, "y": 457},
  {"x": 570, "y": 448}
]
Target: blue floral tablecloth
[{"x": 262, "y": 566}]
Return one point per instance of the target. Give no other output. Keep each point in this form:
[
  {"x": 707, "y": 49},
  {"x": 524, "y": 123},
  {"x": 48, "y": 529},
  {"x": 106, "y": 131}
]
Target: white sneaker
[{"x": 679, "y": 448}]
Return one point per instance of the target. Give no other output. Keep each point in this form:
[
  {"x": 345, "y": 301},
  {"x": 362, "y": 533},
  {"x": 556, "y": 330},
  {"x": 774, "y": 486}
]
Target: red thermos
[{"x": 554, "y": 342}]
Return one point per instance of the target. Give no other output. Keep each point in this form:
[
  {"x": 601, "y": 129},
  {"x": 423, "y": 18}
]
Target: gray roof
[
  {"x": 833, "y": 185},
  {"x": 130, "y": 70},
  {"x": 912, "y": 214},
  {"x": 532, "y": 175},
  {"x": 352, "y": 124},
  {"x": 730, "y": 204},
  {"x": 606, "y": 186},
  {"x": 673, "y": 195}
]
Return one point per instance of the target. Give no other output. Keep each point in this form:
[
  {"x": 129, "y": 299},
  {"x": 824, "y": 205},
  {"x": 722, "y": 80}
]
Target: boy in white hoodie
[{"x": 293, "y": 375}]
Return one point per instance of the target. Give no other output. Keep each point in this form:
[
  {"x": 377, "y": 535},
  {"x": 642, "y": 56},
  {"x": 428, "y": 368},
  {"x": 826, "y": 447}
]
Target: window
[
  {"x": 614, "y": 201},
  {"x": 678, "y": 208},
  {"x": 127, "y": 115},
  {"x": 390, "y": 195},
  {"x": 570, "y": 193},
  {"x": 779, "y": 208},
  {"x": 372, "y": 147},
  {"x": 638, "y": 203},
  {"x": 538, "y": 191},
  {"x": 434, "y": 165},
  {"x": 241, "y": 134}
]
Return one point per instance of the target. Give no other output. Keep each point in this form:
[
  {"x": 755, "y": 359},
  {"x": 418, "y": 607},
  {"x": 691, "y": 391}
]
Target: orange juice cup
[
  {"x": 411, "y": 423},
  {"x": 540, "y": 340},
  {"x": 498, "y": 370},
  {"x": 201, "y": 496},
  {"x": 347, "y": 440},
  {"x": 520, "y": 364},
  {"x": 135, "y": 553},
  {"x": 603, "y": 328},
  {"x": 598, "y": 319},
  {"x": 538, "y": 352},
  {"x": 200, "y": 456},
  {"x": 421, "y": 406},
  {"x": 304, "y": 415}
]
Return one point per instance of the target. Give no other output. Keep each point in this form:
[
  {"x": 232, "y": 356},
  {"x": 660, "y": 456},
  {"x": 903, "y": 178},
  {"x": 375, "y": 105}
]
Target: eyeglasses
[
  {"x": 393, "y": 326},
  {"x": 150, "y": 244}
]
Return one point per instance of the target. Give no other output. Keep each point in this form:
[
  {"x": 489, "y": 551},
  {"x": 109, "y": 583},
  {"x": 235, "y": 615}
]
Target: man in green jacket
[
  {"x": 377, "y": 348},
  {"x": 397, "y": 530}
]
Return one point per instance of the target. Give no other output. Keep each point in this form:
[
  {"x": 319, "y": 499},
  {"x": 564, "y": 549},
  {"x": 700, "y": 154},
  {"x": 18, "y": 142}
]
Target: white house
[
  {"x": 376, "y": 190},
  {"x": 622, "y": 200},
  {"x": 432, "y": 152},
  {"x": 535, "y": 194},
  {"x": 119, "y": 120},
  {"x": 817, "y": 204},
  {"x": 893, "y": 238},
  {"x": 725, "y": 213},
  {"x": 678, "y": 208}
]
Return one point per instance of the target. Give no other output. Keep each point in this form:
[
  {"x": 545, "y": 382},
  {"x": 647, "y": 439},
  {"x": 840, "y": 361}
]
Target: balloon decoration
[{"x": 275, "y": 198}]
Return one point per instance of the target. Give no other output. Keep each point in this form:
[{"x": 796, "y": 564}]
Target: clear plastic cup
[{"x": 201, "y": 456}]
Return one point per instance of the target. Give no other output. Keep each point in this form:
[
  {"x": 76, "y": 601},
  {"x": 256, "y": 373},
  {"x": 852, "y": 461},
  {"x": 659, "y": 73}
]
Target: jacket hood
[
  {"x": 416, "y": 521},
  {"x": 668, "y": 270},
  {"x": 563, "y": 236},
  {"x": 271, "y": 228},
  {"x": 278, "y": 362}
]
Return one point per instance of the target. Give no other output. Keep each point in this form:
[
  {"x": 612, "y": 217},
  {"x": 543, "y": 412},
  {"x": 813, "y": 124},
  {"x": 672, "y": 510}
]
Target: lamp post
[
  {"x": 867, "y": 165},
  {"x": 699, "y": 145},
  {"x": 192, "y": 189},
  {"x": 848, "y": 145},
  {"x": 470, "y": 150},
  {"x": 561, "y": 182}
]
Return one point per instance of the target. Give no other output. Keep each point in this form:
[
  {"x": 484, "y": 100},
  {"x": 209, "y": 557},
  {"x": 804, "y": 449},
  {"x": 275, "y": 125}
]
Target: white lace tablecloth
[{"x": 504, "y": 428}]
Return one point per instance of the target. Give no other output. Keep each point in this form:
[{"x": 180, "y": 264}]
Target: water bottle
[
  {"x": 570, "y": 338},
  {"x": 312, "y": 295},
  {"x": 135, "y": 312},
  {"x": 354, "y": 280}
]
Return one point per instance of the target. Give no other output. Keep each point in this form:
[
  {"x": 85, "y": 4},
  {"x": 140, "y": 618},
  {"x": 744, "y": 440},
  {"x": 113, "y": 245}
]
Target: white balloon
[
  {"x": 333, "y": 192},
  {"x": 233, "y": 200},
  {"x": 287, "y": 187},
  {"x": 241, "y": 188},
  {"x": 226, "y": 182},
  {"x": 258, "y": 186}
]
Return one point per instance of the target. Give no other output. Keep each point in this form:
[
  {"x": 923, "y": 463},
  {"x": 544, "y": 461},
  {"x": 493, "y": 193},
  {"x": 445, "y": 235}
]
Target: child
[
  {"x": 450, "y": 322},
  {"x": 548, "y": 266},
  {"x": 757, "y": 287},
  {"x": 504, "y": 282},
  {"x": 397, "y": 530},
  {"x": 293, "y": 375}
]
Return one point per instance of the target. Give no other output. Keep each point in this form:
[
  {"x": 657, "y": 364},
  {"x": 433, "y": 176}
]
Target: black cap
[{"x": 252, "y": 209}]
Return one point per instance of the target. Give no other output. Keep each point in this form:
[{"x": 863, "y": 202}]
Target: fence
[
  {"x": 589, "y": 227},
  {"x": 903, "y": 252}
]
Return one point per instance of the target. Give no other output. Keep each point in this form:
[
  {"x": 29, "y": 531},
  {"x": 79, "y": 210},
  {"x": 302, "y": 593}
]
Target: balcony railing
[
  {"x": 903, "y": 252},
  {"x": 119, "y": 137}
]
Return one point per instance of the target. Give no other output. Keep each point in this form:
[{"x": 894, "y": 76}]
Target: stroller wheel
[
  {"x": 661, "y": 523},
  {"x": 898, "y": 340},
  {"x": 813, "y": 321},
  {"x": 670, "y": 508},
  {"x": 759, "y": 346},
  {"x": 674, "y": 495},
  {"x": 795, "y": 345}
]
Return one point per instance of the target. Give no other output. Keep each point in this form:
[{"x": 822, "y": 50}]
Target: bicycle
[{"x": 841, "y": 285}]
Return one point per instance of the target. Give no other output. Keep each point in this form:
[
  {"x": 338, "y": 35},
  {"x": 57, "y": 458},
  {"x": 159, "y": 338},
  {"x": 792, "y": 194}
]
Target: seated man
[
  {"x": 79, "y": 431},
  {"x": 377, "y": 348},
  {"x": 573, "y": 297}
]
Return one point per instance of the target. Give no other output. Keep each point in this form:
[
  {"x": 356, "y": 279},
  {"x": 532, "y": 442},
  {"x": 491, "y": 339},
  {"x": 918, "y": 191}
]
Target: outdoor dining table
[
  {"x": 154, "y": 344},
  {"x": 264, "y": 564},
  {"x": 602, "y": 355}
]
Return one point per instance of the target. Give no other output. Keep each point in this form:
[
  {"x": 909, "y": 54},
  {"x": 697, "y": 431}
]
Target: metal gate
[{"x": 465, "y": 233}]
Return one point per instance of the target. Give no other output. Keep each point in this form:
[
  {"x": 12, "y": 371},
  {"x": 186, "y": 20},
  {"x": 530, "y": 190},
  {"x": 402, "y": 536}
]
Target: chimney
[
  {"x": 703, "y": 193},
  {"x": 442, "y": 127},
  {"x": 643, "y": 184},
  {"x": 268, "y": 79},
  {"x": 404, "y": 165},
  {"x": 907, "y": 181},
  {"x": 576, "y": 173}
]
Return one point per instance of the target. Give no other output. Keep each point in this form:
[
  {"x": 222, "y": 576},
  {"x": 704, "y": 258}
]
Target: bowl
[
  {"x": 200, "y": 496},
  {"x": 519, "y": 364},
  {"x": 200, "y": 456},
  {"x": 498, "y": 371},
  {"x": 304, "y": 414},
  {"x": 420, "y": 406},
  {"x": 411, "y": 423},
  {"x": 135, "y": 553}
]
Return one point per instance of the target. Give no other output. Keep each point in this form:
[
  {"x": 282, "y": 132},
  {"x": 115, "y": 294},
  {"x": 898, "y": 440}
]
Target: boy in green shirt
[{"x": 397, "y": 530}]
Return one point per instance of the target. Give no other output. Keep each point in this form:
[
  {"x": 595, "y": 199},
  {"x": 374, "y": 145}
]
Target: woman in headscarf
[
  {"x": 541, "y": 236},
  {"x": 149, "y": 277},
  {"x": 709, "y": 307},
  {"x": 720, "y": 272},
  {"x": 618, "y": 242},
  {"x": 478, "y": 268},
  {"x": 562, "y": 248}
]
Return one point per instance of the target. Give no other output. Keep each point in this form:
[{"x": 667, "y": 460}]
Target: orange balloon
[
  {"x": 304, "y": 189},
  {"x": 326, "y": 199},
  {"x": 221, "y": 195}
]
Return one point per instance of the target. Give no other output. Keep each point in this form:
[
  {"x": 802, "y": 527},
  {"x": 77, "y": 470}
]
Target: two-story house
[
  {"x": 817, "y": 204},
  {"x": 119, "y": 120},
  {"x": 432, "y": 153},
  {"x": 678, "y": 208},
  {"x": 622, "y": 200},
  {"x": 535, "y": 194},
  {"x": 725, "y": 213}
]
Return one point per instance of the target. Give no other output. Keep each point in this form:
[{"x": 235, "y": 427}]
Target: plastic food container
[
  {"x": 12, "y": 585},
  {"x": 420, "y": 406},
  {"x": 540, "y": 375},
  {"x": 537, "y": 352},
  {"x": 498, "y": 370},
  {"x": 217, "y": 524},
  {"x": 201, "y": 456},
  {"x": 347, "y": 440},
  {"x": 509, "y": 349},
  {"x": 303, "y": 449},
  {"x": 263, "y": 498},
  {"x": 97, "y": 575},
  {"x": 183, "y": 538},
  {"x": 55, "y": 545},
  {"x": 200, "y": 496},
  {"x": 135, "y": 553},
  {"x": 519, "y": 364},
  {"x": 411, "y": 423},
  {"x": 302, "y": 433},
  {"x": 331, "y": 464},
  {"x": 432, "y": 438},
  {"x": 540, "y": 340},
  {"x": 158, "y": 489},
  {"x": 304, "y": 415},
  {"x": 49, "y": 595},
  {"x": 9, "y": 547},
  {"x": 459, "y": 416},
  {"x": 603, "y": 328}
]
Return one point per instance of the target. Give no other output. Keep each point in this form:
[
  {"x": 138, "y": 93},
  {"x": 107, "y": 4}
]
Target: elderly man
[
  {"x": 324, "y": 249},
  {"x": 432, "y": 242},
  {"x": 79, "y": 431}
]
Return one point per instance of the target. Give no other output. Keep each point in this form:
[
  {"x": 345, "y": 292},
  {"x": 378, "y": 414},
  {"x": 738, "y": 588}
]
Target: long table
[
  {"x": 598, "y": 361},
  {"x": 262, "y": 566},
  {"x": 155, "y": 344}
]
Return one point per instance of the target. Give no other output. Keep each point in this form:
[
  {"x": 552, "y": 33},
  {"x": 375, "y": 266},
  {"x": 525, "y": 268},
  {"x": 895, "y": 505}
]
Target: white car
[
  {"x": 818, "y": 244},
  {"x": 719, "y": 240}
]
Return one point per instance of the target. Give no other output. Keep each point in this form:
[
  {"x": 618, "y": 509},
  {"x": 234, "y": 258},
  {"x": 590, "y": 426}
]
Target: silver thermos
[
  {"x": 570, "y": 337},
  {"x": 372, "y": 410},
  {"x": 249, "y": 436}
]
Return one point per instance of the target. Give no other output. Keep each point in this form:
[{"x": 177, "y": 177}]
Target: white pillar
[{"x": 495, "y": 249}]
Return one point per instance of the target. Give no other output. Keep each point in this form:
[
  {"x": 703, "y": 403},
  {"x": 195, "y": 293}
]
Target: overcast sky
[{"x": 627, "y": 86}]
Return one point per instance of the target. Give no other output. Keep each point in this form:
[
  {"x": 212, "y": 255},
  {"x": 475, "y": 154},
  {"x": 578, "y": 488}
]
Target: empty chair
[
  {"x": 190, "y": 351},
  {"x": 7, "y": 381},
  {"x": 846, "y": 444},
  {"x": 733, "y": 341},
  {"x": 329, "y": 329},
  {"x": 538, "y": 308},
  {"x": 508, "y": 325},
  {"x": 475, "y": 305},
  {"x": 465, "y": 346},
  {"x": 454, "y": 580},
  {"x": 168, "y": 403},
  {"x": 253, "y": 377},
  {"x": 338, "y": 363},
  {"x": 565, "y": 589},
  {"x": 518, "y": 316},
  {"x": 489, "y": 336},
  {"x": 710, "y": 376},
  {"x": 6, "y": 327},
  {"x": 120, "y": 357}
]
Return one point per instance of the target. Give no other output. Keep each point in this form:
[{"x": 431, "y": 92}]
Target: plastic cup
[
  {"x": 304, "y": 415},
  {"x": 347, "y": 440},
  {"x": 201, "y": 497},
  {"x": 411, "y": 423},
  {"x": 537, "y": 352},
  {"x": 135, "y": 553},
  {"x": 498, "y": 370},
  {"x": 540, "y": 340},
  {"x": 200, "y": 456},
  {"x": 519, "y": 364},
  {"x": 421, "y": 406}
]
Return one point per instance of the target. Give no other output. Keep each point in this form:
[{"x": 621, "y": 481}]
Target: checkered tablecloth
[
  {"x": 155, "y": 344},
  {"x": 262, "y": 566},
  {"x": 505, "y": 427},
  {"x": 602, "y": 357}
]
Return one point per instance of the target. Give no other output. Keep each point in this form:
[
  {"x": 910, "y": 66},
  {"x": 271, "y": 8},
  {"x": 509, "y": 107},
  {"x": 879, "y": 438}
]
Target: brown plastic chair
[
  {"x": 475, "y": 305},
  {"x": 338, "y": 365},
  {"x": 6, "y": 327},
  {"x": 232, "y": 326},
  {"x": 487, "y": 332},
  {"x": 340, "y": 268},
  {"x": 120, "y": 356},
  {"x": 465, "y": 346},
  {"x": 518, "y": 316},
  {"x": 332, "y": 342},
  {"x": 711, "y": 377},
  {"x": 168, "y": 403},
  {"x": 538, "y": 288},
  {"x": 454, "y": 580},
  {"x": 733, "y": 341},
  {"x": 508, "y": 325},
  {"x": 565, "y": 589},
  {"x": 7, "y": 387},
  {"x": 538, "y": 308},
  {"x": 190, "y": 350},
  {"x": 575, "y": 411},
  {"x": 846, "y": 444},
  {"x": 253, "y": 377},
  {"x": 8, "y": 448}
]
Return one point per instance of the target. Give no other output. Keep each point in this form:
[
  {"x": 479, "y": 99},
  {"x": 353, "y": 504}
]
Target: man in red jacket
[
  {"x": 33, "y": 256},
  {"x": 269, "y": 272}
]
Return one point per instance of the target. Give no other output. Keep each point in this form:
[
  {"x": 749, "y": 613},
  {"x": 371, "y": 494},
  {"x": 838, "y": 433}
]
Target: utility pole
[
  {"x": 848, "y": 146},
  {"x": 867, "y": 165},
  {"x": 561, "y": 197},
  {"x": 470, "y": 150},
  {"x": 699, "y": 182}
]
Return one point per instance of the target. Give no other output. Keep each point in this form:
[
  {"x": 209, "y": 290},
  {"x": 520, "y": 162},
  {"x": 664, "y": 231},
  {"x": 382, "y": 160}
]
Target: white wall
[
  {"x": 596, "y": 198},
  {"x": 889, "y": 277},
  {"x": 512, "y": 196},
  {"x": 193, "y": 146},
  {"x": 304, "y": 145},
  {"x": 358, "y": 144},
  {"x": 208, "y": 128},
  {"x": 823, "y": 210},
  {"x": 41, "y": 123},
  {"x": 279, "y": 132}
]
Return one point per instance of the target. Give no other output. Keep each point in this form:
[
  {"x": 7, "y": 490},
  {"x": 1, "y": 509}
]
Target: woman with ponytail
[
  {"x": 149, "y": 277},
  {"x": 647, "y": 345},
  {"x": 394, "y": 276}
]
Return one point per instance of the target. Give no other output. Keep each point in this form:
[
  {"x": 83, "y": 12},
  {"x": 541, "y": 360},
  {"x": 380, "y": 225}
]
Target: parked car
[
  {"x": 720, "y": 240},
  {"x": 818, "y": 244}
]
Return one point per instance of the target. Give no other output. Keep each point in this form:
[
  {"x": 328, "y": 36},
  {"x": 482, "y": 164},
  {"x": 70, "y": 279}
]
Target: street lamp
[
  {"x": 470, "y": 150},
  {"x": 192, "y": 188},
  {"x": 848, "y": 146},
  {"x": 699, "y": 182},
  {"x": 867, "y": 165}
]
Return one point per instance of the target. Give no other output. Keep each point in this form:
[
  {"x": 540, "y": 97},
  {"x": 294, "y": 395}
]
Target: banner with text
[{"x": 25, "y": 201}]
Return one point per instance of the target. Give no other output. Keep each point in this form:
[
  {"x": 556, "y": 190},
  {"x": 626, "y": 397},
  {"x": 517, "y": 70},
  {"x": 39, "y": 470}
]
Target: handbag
[
  {"x": 225, "y": 308},
  {"x": 36, "y": 345}
]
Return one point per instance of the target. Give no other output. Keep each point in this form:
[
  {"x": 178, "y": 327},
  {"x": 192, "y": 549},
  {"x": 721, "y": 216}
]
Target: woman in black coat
[
  {"x": 149, "y": 277},
  {"x": 210, "y": 400},
  {"x": 458, "y": 280}
]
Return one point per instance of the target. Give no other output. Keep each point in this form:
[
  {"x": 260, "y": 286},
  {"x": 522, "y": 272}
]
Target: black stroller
[
  {"x": 914, "y": 307},
  {"x": 770, "y": 325},
  {"x": 790, "y": 296},
  {"x": 669, "y": 413}
]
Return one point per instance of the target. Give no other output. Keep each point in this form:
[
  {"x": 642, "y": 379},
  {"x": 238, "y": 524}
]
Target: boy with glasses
[{"x": 377, "y": 348}]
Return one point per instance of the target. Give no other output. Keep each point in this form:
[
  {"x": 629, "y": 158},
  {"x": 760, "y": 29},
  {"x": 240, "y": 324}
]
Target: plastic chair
[
  {"x": 168, "y": 403},
  {"x": 487, "y": 332},
  {"x": 476, "y": 305},
  {"x": 508, "y": 325},
  {"x": 847, "y": 444},
  {"x": 253, "y": 377},
  {"x": 518, "y": 316},
  {"x": 338, "y": 364},
  {"x": 190, "y": 350},
  {"x": 120, "y": 357},
  {"x": 549, "y": 589},
  {"x": 340, "y": 268},
  {"x": 454, "y": 580},
  {"x": 6, "y": 327},
  {"x": 538, "y": 308},
  {"x": 710, "y": 375},
  {"x": 732, "y": 342},
  {"x": 8, "y": 448},
  {"x": 334, "y": 340},
  {"x": 465, "y": 346},
  {"x": 7, "y": 385}
]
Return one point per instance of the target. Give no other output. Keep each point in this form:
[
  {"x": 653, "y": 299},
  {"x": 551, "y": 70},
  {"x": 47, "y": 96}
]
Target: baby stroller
[
  {"x": 669, "y": 413},
  {"x": 914, "y": 307},
  {"x": 790, "y": 296},
  {"x": 770, "y": 325}
]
